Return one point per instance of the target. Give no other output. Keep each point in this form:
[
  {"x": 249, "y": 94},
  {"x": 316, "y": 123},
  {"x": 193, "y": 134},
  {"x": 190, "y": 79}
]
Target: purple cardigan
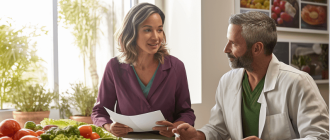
[{"x": 169, "y": 93}]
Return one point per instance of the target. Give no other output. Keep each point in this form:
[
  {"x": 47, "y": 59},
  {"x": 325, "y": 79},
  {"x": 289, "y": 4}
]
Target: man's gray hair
[{"x": 256, "y": 27}]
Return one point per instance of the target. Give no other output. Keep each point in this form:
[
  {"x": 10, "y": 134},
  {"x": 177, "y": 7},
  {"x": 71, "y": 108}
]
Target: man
[{"x": 261, "y": 98}]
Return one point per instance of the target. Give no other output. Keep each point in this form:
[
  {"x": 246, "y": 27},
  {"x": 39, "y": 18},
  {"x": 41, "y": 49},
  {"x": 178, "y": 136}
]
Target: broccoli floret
[
  {"x": 30, "y": 125},
  {"x": 45, "y": 136},
  {"x": 38, "y": 127}
]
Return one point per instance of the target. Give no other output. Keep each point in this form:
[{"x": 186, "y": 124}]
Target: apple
[
  {"x": 279, "y": 21},
  {"x": 286, "y": 17},
  {"x": 274, "y": 16},
  {"x": 276, "y": 3},
  {"x": 273, "y": 8},
  {"x": 277, "y": 10},
  {"x": 282, "y": 5}
]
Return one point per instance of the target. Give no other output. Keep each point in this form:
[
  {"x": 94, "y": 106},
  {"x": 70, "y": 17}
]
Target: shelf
[{"x": 322, "y": 81}]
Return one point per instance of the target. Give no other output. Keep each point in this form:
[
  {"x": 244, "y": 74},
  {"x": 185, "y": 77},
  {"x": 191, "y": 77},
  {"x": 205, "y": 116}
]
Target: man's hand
[
  {"x": 118, "y": 129},
  {"x": 165, "y": 130},
  {"x": 186, "y": 132},
  {"x": 251, "y": 138}
]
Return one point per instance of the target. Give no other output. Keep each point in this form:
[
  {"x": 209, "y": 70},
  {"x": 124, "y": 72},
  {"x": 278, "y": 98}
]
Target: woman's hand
[{"x": 118, "y": 129}]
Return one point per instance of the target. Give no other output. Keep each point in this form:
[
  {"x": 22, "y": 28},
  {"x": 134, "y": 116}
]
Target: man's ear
[{"x": 258, "y": 48}]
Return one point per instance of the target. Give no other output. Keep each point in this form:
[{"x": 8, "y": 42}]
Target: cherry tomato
[
  {"x": 6, "y": 138},
  {"x": 94, "y": 136},
  {"x": 24, "y": 132},
  {"x": 29, "y": 137},
  {"x": 9, "y": 127},
  {"x": 39, "y": 132},
  {"x": 85, "y": 131}
]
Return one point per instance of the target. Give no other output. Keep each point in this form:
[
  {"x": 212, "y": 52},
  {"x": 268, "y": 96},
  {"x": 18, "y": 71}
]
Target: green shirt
[
  {"x": 145, "y": 89},
  {"x": 250, "y": 107}
]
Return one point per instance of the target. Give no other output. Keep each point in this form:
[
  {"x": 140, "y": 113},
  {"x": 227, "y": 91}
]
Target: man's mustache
[{"x": 230, "y": 55}]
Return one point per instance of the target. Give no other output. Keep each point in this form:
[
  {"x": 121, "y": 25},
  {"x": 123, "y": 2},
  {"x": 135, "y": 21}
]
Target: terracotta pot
[
  {"x": 325, "y": 74},
  {"x": 82, "y": 119},
  {"x": 6, "y": 114},
  {"x": 37, "y": 117}
]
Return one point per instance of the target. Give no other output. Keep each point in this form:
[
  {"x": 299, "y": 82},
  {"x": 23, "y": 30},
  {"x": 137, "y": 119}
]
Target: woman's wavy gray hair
[
  {"x": 256, "y": 27},
  {"x": 127, "y": 34}
]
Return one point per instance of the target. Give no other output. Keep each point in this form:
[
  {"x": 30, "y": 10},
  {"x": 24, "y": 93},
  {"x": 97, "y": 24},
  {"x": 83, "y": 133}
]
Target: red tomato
[
  {"x": 6, "y": 138},
  {"x": 39, "y": 132},
  {"x": 24, "y": 132},
  {"x": 9, "y": 127},
  {"x": 273, "y": 8},
  {"x": 85, "y": 131},
  {"x": 29, "y": 137},
  {"x": 279, "y": 21},
  {"x": 94, "y": 136},
  {"x": 286, "y": 17},
  {"x": 282, "y": 5},
  {"x": 274, "y": 16},
  {"x": 277, "y": 10},
  {"x": 276, "y": 3}
]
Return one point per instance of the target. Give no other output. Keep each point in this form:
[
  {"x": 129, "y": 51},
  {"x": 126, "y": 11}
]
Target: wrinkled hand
[
  {"x": 118, "y": 129},
  {"x": 251, "y": 138},
  {"x": 165, "y": 130},
  {"x": 186, "y": 132}
]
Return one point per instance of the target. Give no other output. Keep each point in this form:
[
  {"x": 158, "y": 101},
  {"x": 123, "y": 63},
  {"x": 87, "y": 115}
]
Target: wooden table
[{"x": 146, "y": 136}]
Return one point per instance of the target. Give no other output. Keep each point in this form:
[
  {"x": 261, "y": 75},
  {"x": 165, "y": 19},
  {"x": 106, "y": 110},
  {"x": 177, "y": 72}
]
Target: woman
[{"x": 144, "y": 78}]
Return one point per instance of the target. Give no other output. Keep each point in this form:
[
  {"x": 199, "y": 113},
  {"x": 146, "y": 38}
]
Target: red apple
[
  {"x": 274, "y": 16},
  {"x": 277, "y": 10},
  {"x": 276, "y": 3},
  {"x": 286, "y": 17},
  {"x": 279, "y": 21},
  {"x": 282, "y": 5},
  {"x": 273, "y": 8}
]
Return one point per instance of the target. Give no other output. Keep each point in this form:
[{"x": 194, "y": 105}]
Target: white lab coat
[{"x": 291, "y": 106}]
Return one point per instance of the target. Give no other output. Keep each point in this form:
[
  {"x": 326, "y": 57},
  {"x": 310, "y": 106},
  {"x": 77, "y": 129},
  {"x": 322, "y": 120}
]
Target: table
[{"x": 145, "y": 136}]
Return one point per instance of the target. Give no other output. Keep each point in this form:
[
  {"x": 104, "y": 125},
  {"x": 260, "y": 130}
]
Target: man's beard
[{"x": 244, "y": 61}]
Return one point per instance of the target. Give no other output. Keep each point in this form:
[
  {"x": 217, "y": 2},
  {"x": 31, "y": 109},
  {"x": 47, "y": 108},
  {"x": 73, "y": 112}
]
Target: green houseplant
[
  {"x": 32, "y": 103},
  {"x": 83, "y": 99},
  {"x": 18, "y": 61}
]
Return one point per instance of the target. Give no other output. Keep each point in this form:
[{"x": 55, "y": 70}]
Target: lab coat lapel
[
  {"x": 237, "y": 104},
  {"x": 270, "y": 82}
]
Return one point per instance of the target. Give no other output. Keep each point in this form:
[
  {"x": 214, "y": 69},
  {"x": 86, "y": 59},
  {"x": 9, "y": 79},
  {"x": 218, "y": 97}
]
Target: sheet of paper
[{"x": 139, "y": 123}]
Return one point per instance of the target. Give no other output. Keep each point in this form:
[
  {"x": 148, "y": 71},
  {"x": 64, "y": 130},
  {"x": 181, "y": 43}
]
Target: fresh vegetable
[
  {"x": 30, "y": 125},
  {"x": 85, "y": 131},
  {"x": 29, "y": 137},
  {"x": 48, "y": 126},
  {"x": 6, "y": 138},
  {"x": 9, "y": 127},
  {"x": 38, "y": 127},
  {"x": 94, "y": 136},
  {"x": 53, "y": 132},
  {"x": 24, "y": 132},
  {"x": 39, "y": 132},
  {"x": 75, "y": 137},
  {"x": 61, "y": 123}
]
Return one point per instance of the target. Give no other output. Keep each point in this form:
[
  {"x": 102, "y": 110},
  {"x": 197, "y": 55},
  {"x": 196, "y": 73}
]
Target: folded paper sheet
[{"x": 139, "y": 123}]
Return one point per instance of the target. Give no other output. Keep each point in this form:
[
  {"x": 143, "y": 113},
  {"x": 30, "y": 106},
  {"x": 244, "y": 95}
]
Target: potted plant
[
  {"x": 83, "y": 99},
  {"x": 17, "y": 54},
  {"x": 32, "y": 103}
]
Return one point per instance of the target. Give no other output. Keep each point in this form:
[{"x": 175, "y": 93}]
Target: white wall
[
  {"x": 183, "y": 36},
  {"x": 215, "y": 15}
]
